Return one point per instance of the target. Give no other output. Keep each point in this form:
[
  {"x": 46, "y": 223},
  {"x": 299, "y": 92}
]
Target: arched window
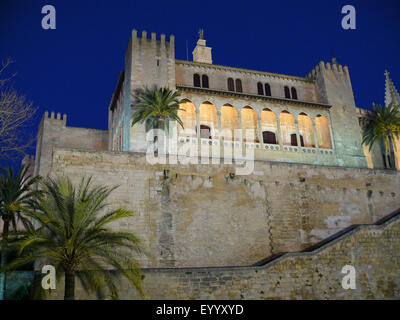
[
  {"x": 269, "y": 126},
  {"x": 239, "y": 85},
  {"x": 209, "y": 119},
  {"x": 323, "y": 133},
  {"x": 204, "y": 81},
  {"x": 294, "y": 93},
  {"x": 306, "y": 130},
  {"x": 187, "y": 113},
  {"x": 288, "y": 128},
  {"x": 267, "y": 89},
  {"x": 231, "y": 85},
  {"x": 249, "y": 124},
  {"x": 287, "y": 92},
  {"x": 260, "y": 89},
  {"x": 196, "y": 80},
  {"x": 229, "y": 122}
]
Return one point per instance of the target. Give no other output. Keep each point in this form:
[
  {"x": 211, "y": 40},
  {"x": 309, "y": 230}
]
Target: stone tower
[
  {"x": 334, "y": 88},
  {"x": 148, "y": 63}
]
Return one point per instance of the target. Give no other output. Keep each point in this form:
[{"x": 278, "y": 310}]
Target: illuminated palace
[
  {"x": 310, "y": 119},
  {"x": 312, "y": 179}
]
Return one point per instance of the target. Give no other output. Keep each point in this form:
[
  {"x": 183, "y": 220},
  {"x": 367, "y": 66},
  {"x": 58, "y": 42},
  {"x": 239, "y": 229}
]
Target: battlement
[
  {"x": 322, "y": 66},
  {"x": 153, "y": 36},
  {"x": 54, "y": 117},
  {"x": 154, "y": 41}
]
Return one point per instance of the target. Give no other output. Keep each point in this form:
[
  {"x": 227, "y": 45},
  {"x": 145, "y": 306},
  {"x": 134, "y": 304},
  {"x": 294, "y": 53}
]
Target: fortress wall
[
  {"x": 53, "y": 131},
  {"x": 372, "y": 250},
  {"x": 218, "y": 80},
  {"x": 205, "y": 215}
]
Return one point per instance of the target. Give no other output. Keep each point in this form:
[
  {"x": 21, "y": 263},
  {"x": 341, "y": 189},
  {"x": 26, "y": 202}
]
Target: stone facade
[
  {"x": 205, "y": 215},
  {"x": 372, "y": 250}
]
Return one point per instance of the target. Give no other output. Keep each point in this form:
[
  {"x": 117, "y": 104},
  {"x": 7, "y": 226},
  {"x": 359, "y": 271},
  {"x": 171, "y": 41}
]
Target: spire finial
[
  {"x": 201, "y": 34},
  {"x": 391, "y": 93}
]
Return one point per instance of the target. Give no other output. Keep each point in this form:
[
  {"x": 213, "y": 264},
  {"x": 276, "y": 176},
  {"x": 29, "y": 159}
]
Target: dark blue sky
[{"x": 74, "y": 69}]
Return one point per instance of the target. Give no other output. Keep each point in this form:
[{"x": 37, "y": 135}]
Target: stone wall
[
  {"x": 374, "y": 252},
  {"x": 218, "y": 77},
  {"x": 53, "y": 131},
  {"x": 204, "y": 215}
]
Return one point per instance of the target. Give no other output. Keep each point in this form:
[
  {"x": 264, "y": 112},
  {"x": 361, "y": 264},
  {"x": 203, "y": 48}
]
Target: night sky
[{"x": 74, "y": 69}]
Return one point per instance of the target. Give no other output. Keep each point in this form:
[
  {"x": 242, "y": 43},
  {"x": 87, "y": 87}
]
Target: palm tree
[
  {"x": 16, "y": 192},
  {"x": 382, "y": 124},
  {"x": 156, "y": 108},
  {"x": 73, "y": 236}
]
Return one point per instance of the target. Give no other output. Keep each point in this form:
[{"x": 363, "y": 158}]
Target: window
[
  {"x": 269, "y": 126},
  {"x": 287, "y": 92},
  {"x": 260, "y": 89},
  {"x": 293, "y": 139},
  {"x": 205, "y": 132},
  {"x": 239, "y": 85},
  {"x": 204, "y": 81},
  {"x": 267, "y": 89},
  {"x": 196, "y": 80},
  {"x": 231, "y": 85},
  {"x": 269, "y": 137},
  {"x": 208, "y": 121},
  {"x": 294, "y": 93}
]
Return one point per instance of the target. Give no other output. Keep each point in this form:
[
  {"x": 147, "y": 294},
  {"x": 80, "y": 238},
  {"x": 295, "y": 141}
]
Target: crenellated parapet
[
  {"x": 323, "y": 66},
  {"x": 157, "y": 42},
  {"x": 55, "y": 117}
]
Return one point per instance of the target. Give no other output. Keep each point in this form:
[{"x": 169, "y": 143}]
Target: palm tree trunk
[
  {"x": 3, "y": 279},
  {"x": 69, "y": 293},
  {"x": 391, "y": 155},
  {"x": 387, "y": 165}
]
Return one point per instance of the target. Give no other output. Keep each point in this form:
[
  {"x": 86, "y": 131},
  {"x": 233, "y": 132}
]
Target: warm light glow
[
  {"x": 229, "y": 122},
  {"x": 323, "y": 133},
  {"x": 306, "y": 130},
  {"x": 187, "y": 114},
  {"x": 208, "y": 117},
  {"x": 249, "y": 123},
  {"x": 288, "y": 127}
]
